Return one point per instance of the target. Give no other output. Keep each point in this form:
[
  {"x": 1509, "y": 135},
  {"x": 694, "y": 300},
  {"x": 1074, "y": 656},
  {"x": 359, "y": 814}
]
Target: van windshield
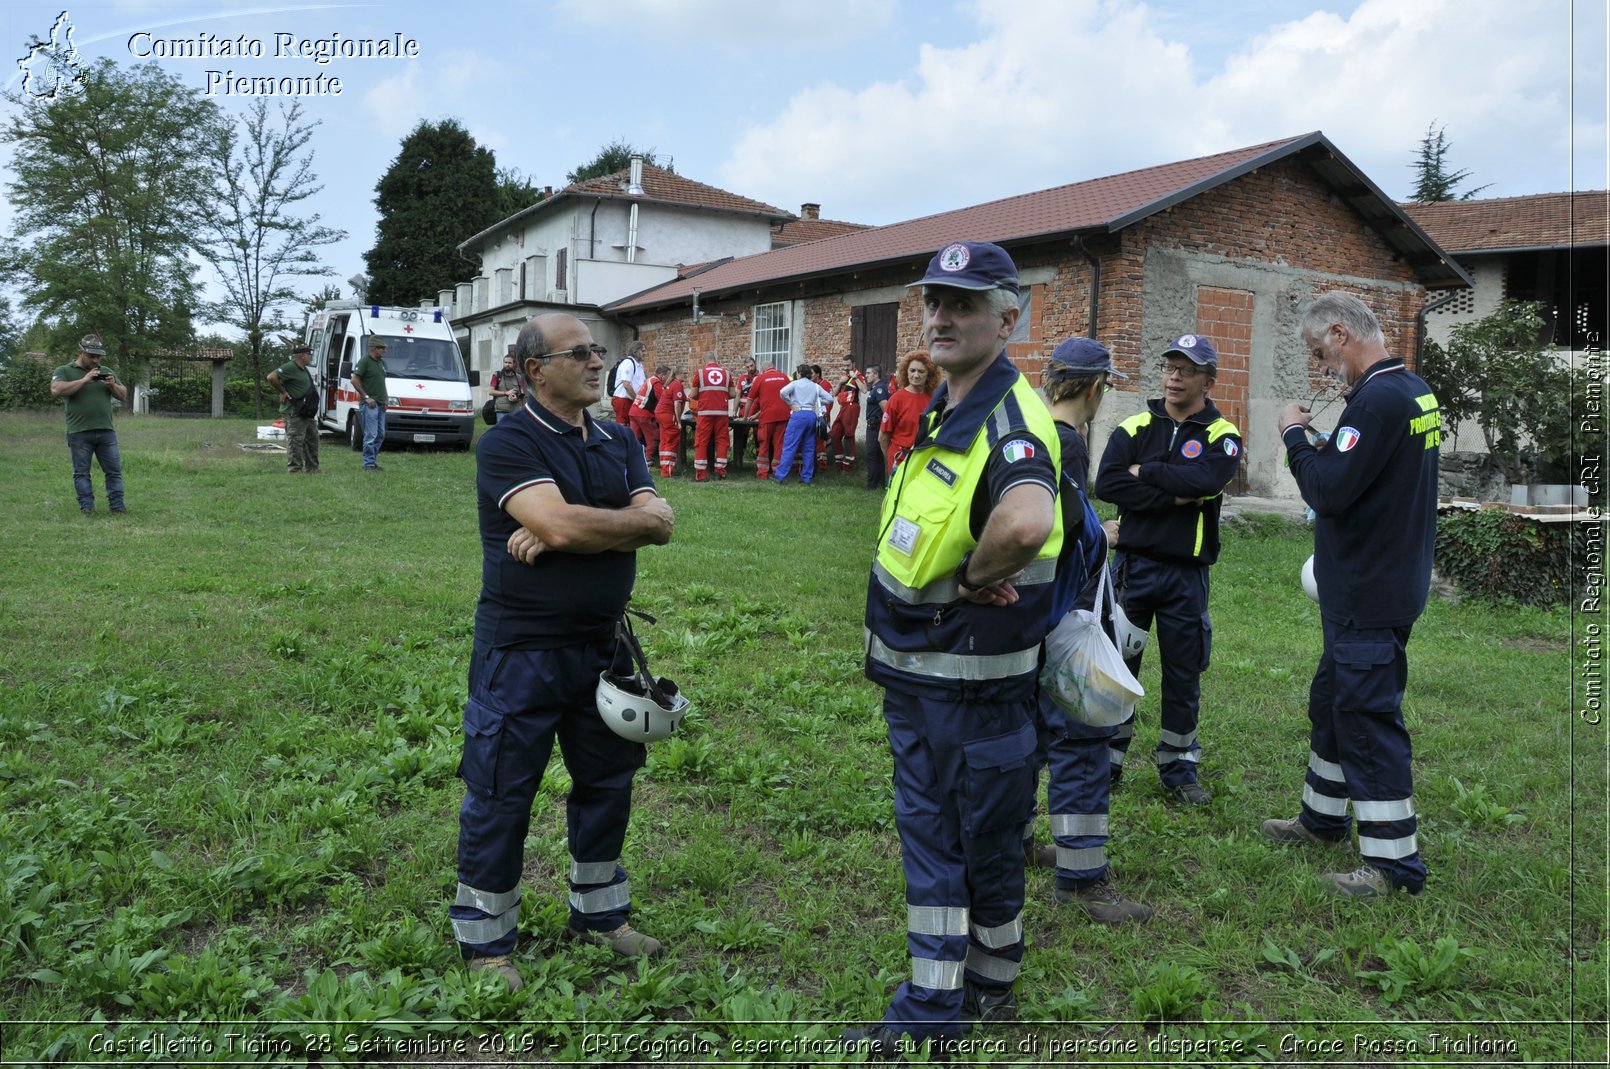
[{"x": 423, "y": 358}]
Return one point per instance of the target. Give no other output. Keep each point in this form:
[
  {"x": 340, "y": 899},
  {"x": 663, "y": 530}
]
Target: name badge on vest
[
  {"x": 903, "y": 535},
  {"x": 942, "y": 473}
]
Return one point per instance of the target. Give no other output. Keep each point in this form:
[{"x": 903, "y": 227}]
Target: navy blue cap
[
  {"x": 1195, "y": 348},
  {"x": 1082, "y": 356},
  {"x": 971, "y": 265}
]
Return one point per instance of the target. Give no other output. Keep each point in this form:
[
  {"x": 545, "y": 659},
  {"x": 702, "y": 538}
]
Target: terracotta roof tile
[
  {"x": 1102, "y": 203},
  {"x": 669, "y": 188},
  {"x": 799, "y": 231},
  {"x": 1540, "y": 221}
]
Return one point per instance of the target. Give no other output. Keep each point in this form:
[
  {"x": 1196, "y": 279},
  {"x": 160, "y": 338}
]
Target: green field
[{"x": 229, "y": 726}]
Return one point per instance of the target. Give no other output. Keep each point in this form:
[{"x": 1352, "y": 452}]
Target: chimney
[
  {"x": 635, "y": 186},
  {"x": 810, "y": 211}
]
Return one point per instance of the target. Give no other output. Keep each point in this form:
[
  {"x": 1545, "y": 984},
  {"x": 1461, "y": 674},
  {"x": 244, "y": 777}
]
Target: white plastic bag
[{"x": 1084, "y": 675}]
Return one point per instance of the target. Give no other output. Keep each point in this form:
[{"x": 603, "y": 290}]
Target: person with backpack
[
  {"x": 1076, "y": 755},
  {"x": 645, "y": 424},
  {"x": 299, "y": 405},
  {"x": 625, "y": 379}
]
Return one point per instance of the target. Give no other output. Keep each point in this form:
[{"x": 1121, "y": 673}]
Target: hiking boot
[
  {"x": 1102, "y": 903},
  {"x": 1043, "y": 856},
  {"x": 1366, "y": 881},
  {"x": 980, "y": 1005},
  {"x": 500, "y": 964},
  {"x": 626, "y": 941},
  {"x": 1294, "y": 832},
  {"x": 1192, "y": 793}
]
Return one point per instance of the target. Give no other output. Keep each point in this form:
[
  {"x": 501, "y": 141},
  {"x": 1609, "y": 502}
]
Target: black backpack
[{"x": 615, "y": 376}]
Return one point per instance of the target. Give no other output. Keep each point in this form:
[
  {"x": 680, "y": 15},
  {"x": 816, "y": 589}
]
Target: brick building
[{"x": 1231, "y": 246}]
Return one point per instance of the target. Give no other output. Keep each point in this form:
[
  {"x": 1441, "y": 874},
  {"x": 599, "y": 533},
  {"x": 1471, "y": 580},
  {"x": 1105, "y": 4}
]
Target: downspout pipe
[
  {"x": 1420, "y": 325},
  {"x": 1095, "y": 281}
]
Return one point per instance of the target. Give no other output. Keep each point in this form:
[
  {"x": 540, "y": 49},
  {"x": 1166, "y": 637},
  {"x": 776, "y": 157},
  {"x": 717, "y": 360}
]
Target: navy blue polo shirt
[
  {"x": 1373, "y": 488},
  {"x": 563, "y": 598}
]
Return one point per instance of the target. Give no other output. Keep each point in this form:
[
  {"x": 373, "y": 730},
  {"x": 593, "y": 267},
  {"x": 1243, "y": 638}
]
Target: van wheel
[{"x": 355, "y": 433}]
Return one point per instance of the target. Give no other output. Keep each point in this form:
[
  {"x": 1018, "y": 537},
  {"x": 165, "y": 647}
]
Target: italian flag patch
[{"x": 1017, "y": 450}]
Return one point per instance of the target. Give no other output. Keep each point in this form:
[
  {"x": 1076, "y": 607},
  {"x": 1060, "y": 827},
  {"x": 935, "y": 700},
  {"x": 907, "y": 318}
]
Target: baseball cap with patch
[
  {"x": 376, "y": 342},
  {"x": 971, "y": 265},
  {"x": 1195, "y": 348},
  {"x": 91, "y": 343},
  {"x": 1082, "y": 356}
]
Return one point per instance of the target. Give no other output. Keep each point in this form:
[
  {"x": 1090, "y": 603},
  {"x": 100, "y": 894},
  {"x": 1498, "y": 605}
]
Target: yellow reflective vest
[{"x": 919, "y": 632}]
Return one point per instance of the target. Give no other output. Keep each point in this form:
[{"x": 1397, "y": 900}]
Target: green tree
[
  {"x": 318, "y": 301},
  {"x": 257, "y": 240},
  {"x": 1433, "y": 180},
  {"x": 616, "y": 156},
  {"x": 1501, "y": 372},
  {"x": 515, "y": 192},
  {"x": 109, "y": 178},
  {"x": 441, "y": 189}
]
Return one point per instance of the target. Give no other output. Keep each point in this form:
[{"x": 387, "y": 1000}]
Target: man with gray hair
[
  {"x": 564, "y": 502},
  {"x": 88, "y": 389},
  {"x": 1373, "y": 488},
  {"x": 958, "y": 603}
]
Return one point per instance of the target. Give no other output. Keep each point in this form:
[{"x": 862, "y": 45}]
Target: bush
[
  {"x": 1499, "y": 556},
  {"x": 193, "y": 393},
  {"x": 25, "y": 383}
]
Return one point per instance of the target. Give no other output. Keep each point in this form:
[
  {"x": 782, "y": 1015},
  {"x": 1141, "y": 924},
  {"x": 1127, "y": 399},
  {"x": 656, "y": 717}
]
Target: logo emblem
[
  {"x": 1186, "y": 341},
  {"x": 51, "y": 65},
  {"x": 955, "y": 257},
  {"x": 1017, "y": 450},
  {"x": 1346, "y": 438},
  {"x": 1191, "y": 449},
  {"x": 1230, "y": 448}
]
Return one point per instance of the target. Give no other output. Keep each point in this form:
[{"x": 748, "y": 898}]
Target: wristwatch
[{"x": 961, "y": 576}]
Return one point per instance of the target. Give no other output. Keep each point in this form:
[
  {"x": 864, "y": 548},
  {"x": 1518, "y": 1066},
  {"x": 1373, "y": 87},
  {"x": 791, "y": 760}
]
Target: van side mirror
[{"x": 475, "y": 378}]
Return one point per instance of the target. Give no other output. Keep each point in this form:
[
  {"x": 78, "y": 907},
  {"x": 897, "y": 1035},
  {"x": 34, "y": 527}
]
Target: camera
[{"x": 102, "y": 376}]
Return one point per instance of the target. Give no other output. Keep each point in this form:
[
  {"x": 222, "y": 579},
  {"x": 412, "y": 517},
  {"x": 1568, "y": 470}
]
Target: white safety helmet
[
  {"x": 1310, "y": 584},
  {"x": 1131, "y": 639},
  {"x": 637, "y": 706}
]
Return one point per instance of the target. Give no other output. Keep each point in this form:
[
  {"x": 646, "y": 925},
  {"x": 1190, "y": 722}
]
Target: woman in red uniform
[
  {"x": 847, "y": 423},
  {"x": 916, "y": 379},
  {"x": 669, "y": 415}
]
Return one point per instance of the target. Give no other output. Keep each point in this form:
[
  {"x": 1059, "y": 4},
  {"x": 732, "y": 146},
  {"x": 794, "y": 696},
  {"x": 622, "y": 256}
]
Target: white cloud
[
  {"x": 1054, "y": 91},
  {"x": 455, "y": 84},
  {"x": 735, "y": 24}
]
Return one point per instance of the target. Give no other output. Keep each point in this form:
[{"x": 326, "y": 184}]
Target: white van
[{"x": 427, "y": 390}]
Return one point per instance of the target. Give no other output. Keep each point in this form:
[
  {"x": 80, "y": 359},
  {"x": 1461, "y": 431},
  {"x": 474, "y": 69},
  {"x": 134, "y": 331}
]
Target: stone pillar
[{"x": 220, "y": 374}]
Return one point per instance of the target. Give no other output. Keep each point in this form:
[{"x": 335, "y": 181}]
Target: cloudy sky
[{"x": 882, "y": 110}]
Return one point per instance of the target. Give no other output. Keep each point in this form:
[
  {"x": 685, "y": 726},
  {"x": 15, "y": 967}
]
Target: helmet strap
[{"x": 624, "y": 633}]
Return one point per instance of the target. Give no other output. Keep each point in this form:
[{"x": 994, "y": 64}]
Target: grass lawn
[{"x": 229, "y": 726}]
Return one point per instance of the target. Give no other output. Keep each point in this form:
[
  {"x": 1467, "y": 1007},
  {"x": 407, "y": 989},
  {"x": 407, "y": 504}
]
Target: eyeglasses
[
  {"x": 580, "y": 354},
  {"x": 1184, "y": 371}
]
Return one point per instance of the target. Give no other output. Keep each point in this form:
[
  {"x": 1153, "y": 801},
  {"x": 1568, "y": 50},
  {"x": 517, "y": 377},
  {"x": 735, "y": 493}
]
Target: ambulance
[{"x": 427, "y": 390}]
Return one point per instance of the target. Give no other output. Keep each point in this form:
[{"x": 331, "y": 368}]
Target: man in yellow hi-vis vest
[{"x": 957, "y": 605}]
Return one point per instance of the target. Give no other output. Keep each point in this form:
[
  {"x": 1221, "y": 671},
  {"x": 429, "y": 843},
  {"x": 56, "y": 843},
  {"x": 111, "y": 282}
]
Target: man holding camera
[
  {"x": 299, "y": 405},
  {"x": 88, "y": 390}
]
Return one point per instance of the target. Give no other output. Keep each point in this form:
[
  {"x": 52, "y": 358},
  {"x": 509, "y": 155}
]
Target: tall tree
[
  {"x": 1433, "y": 180},
  {"x": 110, "y": 175},
  {"x": 515, "y": 192},
  {"x": 616, "y": 156},
  {"x": 257, "y": 240},
  {"x": 441, "y": 189}
]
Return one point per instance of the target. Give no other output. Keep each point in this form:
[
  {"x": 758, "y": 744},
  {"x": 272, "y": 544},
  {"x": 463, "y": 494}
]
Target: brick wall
[{"x": 1225, "y": 316}]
